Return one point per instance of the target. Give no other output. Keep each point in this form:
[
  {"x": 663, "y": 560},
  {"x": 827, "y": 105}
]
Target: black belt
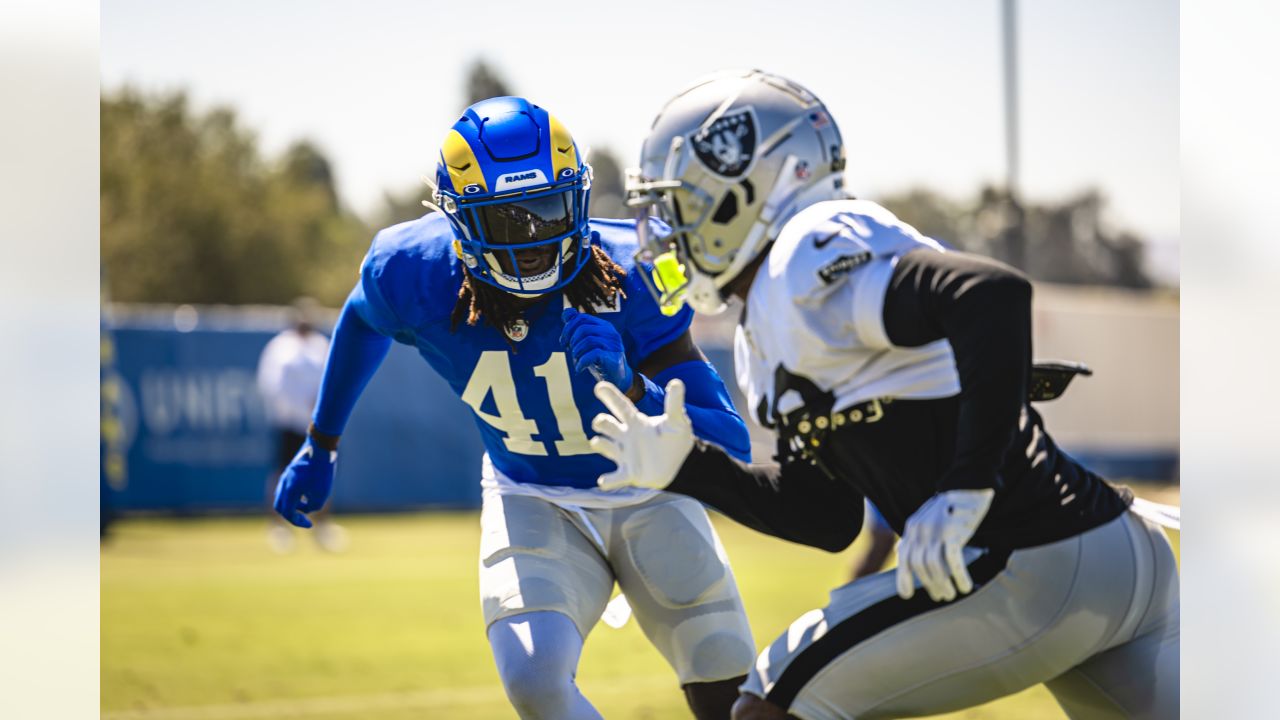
[
  {"x": 869, "y": 411},
  {"x": 802, "y": 432}
]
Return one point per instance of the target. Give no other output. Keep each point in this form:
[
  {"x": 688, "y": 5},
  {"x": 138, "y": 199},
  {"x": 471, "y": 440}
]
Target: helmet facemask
[
  {"x": 713, "y": 227},
  {"x": 666, "y": 237},
  {"x": 729, "y": 161},
  {"x": 528, "y": 242}
]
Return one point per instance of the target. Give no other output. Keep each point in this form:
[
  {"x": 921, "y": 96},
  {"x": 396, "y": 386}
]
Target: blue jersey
[{"x": 533, "y": 410}]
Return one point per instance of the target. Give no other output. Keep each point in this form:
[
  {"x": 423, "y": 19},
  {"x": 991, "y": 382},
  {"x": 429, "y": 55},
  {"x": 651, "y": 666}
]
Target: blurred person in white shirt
[{"x": 289, "y": 373}]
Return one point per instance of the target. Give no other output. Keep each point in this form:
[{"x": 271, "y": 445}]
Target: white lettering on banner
[{"x": 217, "y": 400}]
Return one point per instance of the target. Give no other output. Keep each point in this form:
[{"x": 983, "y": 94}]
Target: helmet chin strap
[{"x": 513, "y": 284}]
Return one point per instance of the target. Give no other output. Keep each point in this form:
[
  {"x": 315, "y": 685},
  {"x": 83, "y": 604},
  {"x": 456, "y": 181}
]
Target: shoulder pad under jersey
[
  {"x": 830, "y": 242},
  {"x": 645, "y": 327},
  {"x": 413, "y": 272},
  {"x": 618, "y": 240}
]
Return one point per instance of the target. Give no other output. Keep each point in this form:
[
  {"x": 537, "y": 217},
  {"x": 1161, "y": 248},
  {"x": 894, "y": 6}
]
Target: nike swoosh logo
[
  {"x": 821, "y": 243},
  {"x": 564, "y": 149}
]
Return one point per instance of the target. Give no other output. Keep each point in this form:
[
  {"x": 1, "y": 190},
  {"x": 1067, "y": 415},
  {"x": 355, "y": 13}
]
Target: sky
[{"x": 915, "y": 85}]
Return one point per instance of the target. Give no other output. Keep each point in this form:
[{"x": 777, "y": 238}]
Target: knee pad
[{"x": 712, "y": 647}]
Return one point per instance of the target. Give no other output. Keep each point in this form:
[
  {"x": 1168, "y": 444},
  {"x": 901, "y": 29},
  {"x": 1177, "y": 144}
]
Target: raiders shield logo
[{"x": 727, "y": 145}]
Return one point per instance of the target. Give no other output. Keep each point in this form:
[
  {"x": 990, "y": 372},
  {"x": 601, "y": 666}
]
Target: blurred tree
[
  {"x": 1068, "y": 242},
  {"x": 1129, "y": 254},
  {"x": 483, "y": 83},
  {"x": 930, "y": 213},
  {"x": 305, "y": 166},
  {"x": 607, "y": 196},
  {"x": 403, "y": 206},
  {"x": 191, "y": 212}
]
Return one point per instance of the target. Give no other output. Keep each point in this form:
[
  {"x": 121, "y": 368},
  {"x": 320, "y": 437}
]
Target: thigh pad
[{"x": 675, "y": 553}]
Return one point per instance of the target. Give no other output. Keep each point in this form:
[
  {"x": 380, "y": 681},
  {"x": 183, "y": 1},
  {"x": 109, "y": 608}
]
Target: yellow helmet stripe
[
  {"x": 460, "y": 159},
  {"x": 563, "y": 153}
]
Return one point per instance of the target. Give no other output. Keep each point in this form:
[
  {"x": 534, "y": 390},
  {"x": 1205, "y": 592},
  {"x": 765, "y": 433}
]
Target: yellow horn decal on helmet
[
  {"x": 461, "y": 161},
  {"x": 563, "y": 153}
]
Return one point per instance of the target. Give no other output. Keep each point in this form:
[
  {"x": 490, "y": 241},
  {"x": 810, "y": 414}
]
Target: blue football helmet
[{"x": 515, "y": 188}]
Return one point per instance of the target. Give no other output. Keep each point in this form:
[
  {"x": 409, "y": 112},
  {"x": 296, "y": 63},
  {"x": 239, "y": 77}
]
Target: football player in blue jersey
[{"x": 521, "y": 302}]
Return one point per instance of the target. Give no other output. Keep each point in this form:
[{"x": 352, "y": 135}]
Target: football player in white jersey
[{"x": 899, "y": 372}]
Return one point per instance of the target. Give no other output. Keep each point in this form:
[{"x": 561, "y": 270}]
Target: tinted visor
[{"x": 529, "y": 220}]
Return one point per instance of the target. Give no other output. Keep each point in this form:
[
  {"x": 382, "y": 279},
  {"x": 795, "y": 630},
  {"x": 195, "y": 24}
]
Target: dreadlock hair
[{"x": 599, "y": 283}]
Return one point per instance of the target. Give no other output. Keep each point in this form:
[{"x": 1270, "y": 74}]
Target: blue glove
[
  {"x": 305, "y": 484},
  {"x": 594, "y": 345}
]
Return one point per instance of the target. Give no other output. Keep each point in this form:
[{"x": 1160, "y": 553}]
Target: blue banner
[{"x": 198, "y": 439}]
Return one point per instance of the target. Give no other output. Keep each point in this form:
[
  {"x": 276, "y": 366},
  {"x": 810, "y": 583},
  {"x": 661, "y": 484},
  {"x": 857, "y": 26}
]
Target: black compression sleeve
[
  {"x": 983, "y": 308},
  {"x": 796, "y": 502}
]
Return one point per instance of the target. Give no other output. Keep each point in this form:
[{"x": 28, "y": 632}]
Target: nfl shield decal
[
  {"x": 727, "y": 145},
  {"x": 518, "y": 329}
]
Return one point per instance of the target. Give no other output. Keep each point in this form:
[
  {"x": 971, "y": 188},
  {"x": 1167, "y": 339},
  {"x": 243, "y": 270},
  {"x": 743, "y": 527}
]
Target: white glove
[
  {"x": 932, "y": 545},
  {"x": 647, "y": 450}
]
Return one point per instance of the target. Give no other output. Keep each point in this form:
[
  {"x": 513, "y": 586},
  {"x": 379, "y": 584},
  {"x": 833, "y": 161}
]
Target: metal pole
[
  {"x": 1010, "y": 22},
  {"x": 1015, "y": 239}
]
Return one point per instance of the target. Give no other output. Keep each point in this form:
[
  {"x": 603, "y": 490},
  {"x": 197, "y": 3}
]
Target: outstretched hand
[{"x": 647, "y": 450}]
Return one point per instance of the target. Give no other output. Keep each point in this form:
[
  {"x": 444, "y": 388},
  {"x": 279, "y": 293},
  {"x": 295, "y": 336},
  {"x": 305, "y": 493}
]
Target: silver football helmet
[{"x": 726, "y": 164}]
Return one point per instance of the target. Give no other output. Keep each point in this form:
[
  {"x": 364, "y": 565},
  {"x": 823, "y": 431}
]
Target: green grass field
[{"x": 200, "y": 621}]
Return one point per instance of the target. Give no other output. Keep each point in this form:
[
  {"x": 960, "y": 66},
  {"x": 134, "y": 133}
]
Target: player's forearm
[
  {"x": 355, "y": 353},
  {"x": 983, "y": 309},
  {"x": 796, "y": 502},
  {"x": 708, "y": 403},
  {"x": 993, "y": 357},
  {"x": 724, "y": 428}
]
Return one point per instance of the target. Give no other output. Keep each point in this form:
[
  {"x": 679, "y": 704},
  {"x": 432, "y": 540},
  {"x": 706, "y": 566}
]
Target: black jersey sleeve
[
  {"x": 796, "y": 501},
  {"x": 983, "y": 309}
]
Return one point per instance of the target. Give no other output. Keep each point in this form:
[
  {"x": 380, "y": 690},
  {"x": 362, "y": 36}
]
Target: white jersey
[
  {"x": 815, "y": 309},
  {"x": 289, "y": 373}
]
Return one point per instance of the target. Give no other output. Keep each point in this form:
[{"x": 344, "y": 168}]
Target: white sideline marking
[{"x": 364, "y": 705}]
